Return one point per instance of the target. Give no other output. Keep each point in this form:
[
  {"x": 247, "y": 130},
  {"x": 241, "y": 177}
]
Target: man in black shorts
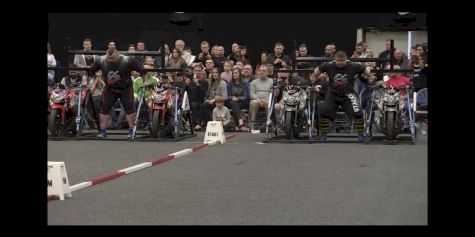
[
  {"x": 341, "y": 76},
  {"x": 116, "y": 70}
]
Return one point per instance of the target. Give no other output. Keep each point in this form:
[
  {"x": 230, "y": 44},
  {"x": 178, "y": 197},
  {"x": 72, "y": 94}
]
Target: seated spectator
[
  {"x": 227, "y": 74},
  {"x": 217, "y": 87},
  {"x": 278, "y": 58},
  {"x": 259, "y": 91},
  {"x": 400, "y": 60},
  {"x": 247, "y": 73},
  {"x": 238, "y": 96},
  {"x": 74, "y": 78},
  {"x": 396, "y": 80},
  {"x": 221, "y": 113},
  {"x": 359, "y": 53},
  {"x": 176, "y": 61},
  {"x": 239, "y": 64}
]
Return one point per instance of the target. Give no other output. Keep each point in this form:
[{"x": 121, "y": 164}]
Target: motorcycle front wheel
[
  {"x": 54, "y": 124},
  {"x": 390, "y": 125},
  {"x": 289, "y": 124}
]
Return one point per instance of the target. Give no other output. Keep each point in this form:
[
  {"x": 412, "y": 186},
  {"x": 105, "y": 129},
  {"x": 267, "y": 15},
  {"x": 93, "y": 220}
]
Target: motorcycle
[
  {"x": 160, "y": 103},
  {"x": 293, "y": 106},
  {"x": 63, "y": 113},
  {"x": 393, "y": 118}
]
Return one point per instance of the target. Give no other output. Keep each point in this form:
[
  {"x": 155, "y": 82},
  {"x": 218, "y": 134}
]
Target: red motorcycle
[
  {"x": 161, "y": 104},
  {"x": 63, "y": 102}
]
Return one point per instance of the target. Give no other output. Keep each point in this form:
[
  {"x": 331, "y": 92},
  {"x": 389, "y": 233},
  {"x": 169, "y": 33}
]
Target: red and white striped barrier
[{"x": 126, "y": 171}]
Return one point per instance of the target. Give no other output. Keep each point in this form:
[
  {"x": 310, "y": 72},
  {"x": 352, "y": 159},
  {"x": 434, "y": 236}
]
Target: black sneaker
[{"x": 102, "y": 133}]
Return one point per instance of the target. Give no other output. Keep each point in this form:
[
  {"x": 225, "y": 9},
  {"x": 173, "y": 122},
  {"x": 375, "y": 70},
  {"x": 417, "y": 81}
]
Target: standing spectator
[
  {"x": 221, "y": 113},
  {"x": 303, "y": 52},
  {"x": 217, "y": 87},
  {"x": 400, "y": 60},
  {"x": 140, "y": 48},
  {"x": 214, "y": 50},
  {"x": 329, "y": 50},
  {"x": 219, "y": 59},
  {"x": 243, "y": 55},
  {"x": 234, "y": 52},
  {"x": 150, "y": 61},
  {"x": 259, "y": 91},
  {"x": 196, "y": 88},
  {"x": 204, "y": 56},
  {"x": 278, "y": 58},
  {"x": 227, "y": 74},
  {"x": 262, "y": 60},
  {"x": 158, "y": 60},
  {"x": 131, "y": 48},
  {"x": 111, "y": 44},
  {"x": 187, "y": 51},
  {"x": 51, "y": 63},
  {"x": 418, "y": 64},
  {"x": 180, "y": 45},
  {"x": 385, "y": 54},
  {"x": 85, "y": 60},
  {"x": 239, "y": 96},
  {"x": 270, "y": 71},
  {"x": 209, "y": 67},
  {"x": 96, "y": 83},
  {"x": 176, "y": 61},
  {"x": 248, "y": 76}
]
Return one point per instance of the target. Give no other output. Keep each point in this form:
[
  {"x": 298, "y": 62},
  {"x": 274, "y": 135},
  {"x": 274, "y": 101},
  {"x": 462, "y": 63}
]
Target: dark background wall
[{"x": 258, "y": 31}]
